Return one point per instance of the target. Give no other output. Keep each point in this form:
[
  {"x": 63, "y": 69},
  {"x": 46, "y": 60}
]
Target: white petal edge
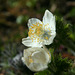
[
  {"x": 35, "y": 67},
  {"x": 33, "y": 21},
  {"x": 48, "y": 18},
  {"x": 28, "y": 42}
]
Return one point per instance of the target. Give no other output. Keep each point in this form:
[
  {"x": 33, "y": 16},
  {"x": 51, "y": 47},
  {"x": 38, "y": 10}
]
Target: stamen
[
  {"x": 46, "y": 37},
  {"x": 30, "y": 60},
  {"x": 37, "y": 30}
]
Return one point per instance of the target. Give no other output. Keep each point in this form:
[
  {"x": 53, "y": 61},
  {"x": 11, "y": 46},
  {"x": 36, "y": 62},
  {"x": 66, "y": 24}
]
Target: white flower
[
  {"x": 40, "y": 33},
  {"x": 36, "y": 59}
]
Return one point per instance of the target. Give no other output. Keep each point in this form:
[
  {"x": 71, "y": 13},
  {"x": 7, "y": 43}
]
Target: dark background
[{"x": 14, "y": 15}]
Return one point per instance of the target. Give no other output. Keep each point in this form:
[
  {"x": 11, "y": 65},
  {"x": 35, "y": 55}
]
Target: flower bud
[{"x": 36, "y": 59}]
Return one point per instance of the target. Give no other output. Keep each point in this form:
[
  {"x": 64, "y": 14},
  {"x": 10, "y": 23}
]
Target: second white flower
[{"x": 36, "y": 59}]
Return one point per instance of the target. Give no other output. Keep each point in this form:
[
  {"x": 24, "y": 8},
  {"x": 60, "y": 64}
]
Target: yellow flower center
[{"x": 37, "y": 30}]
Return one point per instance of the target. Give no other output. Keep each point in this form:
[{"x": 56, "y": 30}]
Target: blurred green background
[{"x": 14, "y": 15}]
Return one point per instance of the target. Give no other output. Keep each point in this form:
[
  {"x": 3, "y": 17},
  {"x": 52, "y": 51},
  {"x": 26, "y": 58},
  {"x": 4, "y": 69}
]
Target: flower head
[
  {"x": 36, "y": 59},
  {"x": 41, "y": 33}
]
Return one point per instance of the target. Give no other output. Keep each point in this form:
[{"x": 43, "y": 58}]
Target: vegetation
[{"x": 14, "y": 15}]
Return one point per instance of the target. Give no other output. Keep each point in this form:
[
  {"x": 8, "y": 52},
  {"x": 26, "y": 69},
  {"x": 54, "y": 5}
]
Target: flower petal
[
  {"x": 28, "y": 42},
  {"x": 53, "y": 23},
  {"x": 50, "y": 40},
  {"x": 37, "y": 67},
  {"x": 33, "y": 21},
  {"x": 49, "y": 19},
  {"x": 41, "y": 56}
]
